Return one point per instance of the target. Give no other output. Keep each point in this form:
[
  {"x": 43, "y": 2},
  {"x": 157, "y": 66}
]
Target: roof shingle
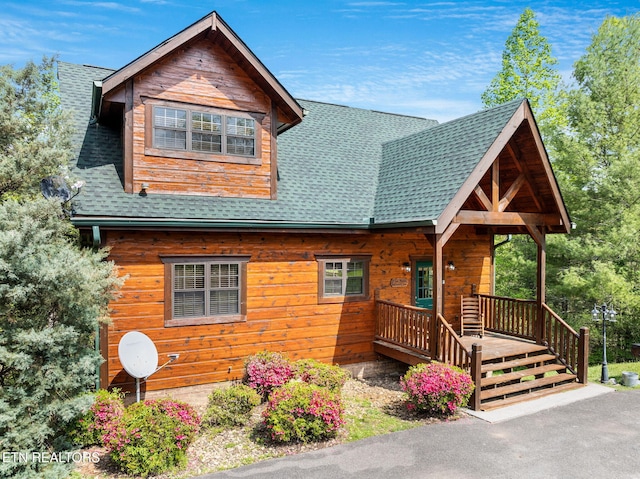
[{"x": 341, "y": 166}]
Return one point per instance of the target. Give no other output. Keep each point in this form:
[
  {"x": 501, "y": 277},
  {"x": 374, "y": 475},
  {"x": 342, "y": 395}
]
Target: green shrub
[
  {"x": 153, "y": 437},
  {"x": 301, "y": 412},
  {"x": 436, "y": 388},
  {"x": 325, "y": 375},
  {"x": 103, "y": 416},
  {"x": 230, "y": 407},
  {"x": 266, "y": 371}
]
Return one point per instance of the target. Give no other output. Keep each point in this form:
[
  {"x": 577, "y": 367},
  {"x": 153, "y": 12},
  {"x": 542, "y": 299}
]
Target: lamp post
[{"x": 607, "y": 315}]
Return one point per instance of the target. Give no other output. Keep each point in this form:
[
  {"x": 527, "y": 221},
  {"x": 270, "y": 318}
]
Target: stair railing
[
  {"x": 450, "y": 347},
  {"x": 569, "y": 347},
  {"x": 452, "y": 351}
]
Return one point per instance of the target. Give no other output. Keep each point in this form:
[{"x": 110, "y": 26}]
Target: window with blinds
[
  {"x": 200, "y": 131},
  {"x": 205, "y": 291}
]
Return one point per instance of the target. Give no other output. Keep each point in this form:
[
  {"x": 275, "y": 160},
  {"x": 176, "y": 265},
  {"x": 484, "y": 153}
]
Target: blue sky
[{"x": 424, "y": 58}]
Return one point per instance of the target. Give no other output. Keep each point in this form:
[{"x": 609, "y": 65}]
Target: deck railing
[
  {"x": 406, "y": 326},
  {"x": 514, "y": 317},
  {"x": 411, "y": 327},
  {"x": 518, "y": 317},
  {"x": 450, "y": 348}
]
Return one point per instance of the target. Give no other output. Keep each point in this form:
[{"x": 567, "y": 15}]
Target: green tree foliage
[
  {"x": 528, "y": 71},
  {"x": 34, "y": 136},
  {"x": 52, "y": 293},
  {"x": 594, "y": 144},
  {"x": 598, "y": 166}
]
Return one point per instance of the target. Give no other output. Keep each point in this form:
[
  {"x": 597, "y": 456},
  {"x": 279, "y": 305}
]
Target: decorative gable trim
[
  {"x": 214, "y": 28},
  {"x": 496, "y": 205}
]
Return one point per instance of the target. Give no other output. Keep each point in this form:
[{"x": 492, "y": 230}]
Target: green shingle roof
[
  {"x": 341, "y": 167},
  {"x": 421, "y": 173}
]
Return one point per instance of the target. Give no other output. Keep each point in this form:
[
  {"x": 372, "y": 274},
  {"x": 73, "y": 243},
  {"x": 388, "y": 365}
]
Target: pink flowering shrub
[
  {"x": 101, "y": 419},
  {"x": 301, "y": 412},
  {"x": 153, "y": 437},
  {"x": 266, "y": 371},
  {"x": 436, "y": 388}
]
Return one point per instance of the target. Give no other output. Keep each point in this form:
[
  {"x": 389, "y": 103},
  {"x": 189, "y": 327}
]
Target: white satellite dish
[
  {"x": 139, "y": 357},
  {"x": 138, "y": 354}
]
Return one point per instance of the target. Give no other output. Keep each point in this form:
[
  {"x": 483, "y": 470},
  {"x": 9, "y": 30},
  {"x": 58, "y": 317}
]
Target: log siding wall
[
  {"x": 283, "y": 312},
  {"x": 203, "y": 75}
]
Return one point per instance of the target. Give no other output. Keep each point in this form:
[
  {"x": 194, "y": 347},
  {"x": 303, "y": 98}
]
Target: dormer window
[
  {"x": 202, "y": 133},
  {"x": 193, "y": 130}
]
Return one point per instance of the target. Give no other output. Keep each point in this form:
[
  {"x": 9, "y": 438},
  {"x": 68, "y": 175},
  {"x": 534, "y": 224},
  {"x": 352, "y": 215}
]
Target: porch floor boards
[
  {"x": 497, "y": 347},
  {"x": 400, "y": 353}
]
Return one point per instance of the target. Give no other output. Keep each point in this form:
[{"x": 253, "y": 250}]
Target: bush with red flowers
[
  {"x": 301, "y": 412},
  {"x": 436, "y": 388},
  {"x": 266, "y": 371},
  {"x": 152, "y": 437},
  {"x": 101, "y": 419}
]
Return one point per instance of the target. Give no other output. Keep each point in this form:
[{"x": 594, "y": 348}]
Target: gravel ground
[{"x": 236, "y": 447}]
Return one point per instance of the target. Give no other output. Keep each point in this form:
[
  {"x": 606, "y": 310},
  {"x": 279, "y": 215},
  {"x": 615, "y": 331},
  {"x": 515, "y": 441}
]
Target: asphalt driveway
[{"x": 592, "y": 438}]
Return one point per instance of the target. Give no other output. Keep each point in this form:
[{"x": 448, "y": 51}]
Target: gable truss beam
[
  {"x": 492, "y": 218},
  {"x": 524, "y": 170},
  {"x": 511, "y": 192},
  {"x": 483, "y": 198},
  {"x": 495, "y": 203}
]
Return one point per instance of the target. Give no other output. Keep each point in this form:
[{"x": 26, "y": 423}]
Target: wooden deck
[
  {"x": 509, "y": 363},
  {"x": 496, "y": 346}
]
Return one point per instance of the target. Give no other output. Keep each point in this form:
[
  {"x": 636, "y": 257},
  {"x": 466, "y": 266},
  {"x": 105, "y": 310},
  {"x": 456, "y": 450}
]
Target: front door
[{"x": 424, "y": 284}]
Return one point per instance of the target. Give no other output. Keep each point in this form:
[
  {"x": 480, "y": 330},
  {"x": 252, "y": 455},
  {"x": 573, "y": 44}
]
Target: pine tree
[
  {"x": 528, "y": 71},
  {"x": 52, "y": 292}
]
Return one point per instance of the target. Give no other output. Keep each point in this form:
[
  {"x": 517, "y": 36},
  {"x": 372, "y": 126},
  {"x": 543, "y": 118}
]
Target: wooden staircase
[
  {"x": 503, "y": 356},
  {"x": 529, "y": 373}
]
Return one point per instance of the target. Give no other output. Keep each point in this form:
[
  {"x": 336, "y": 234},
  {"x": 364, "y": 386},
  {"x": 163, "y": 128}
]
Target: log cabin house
[{"x": 245, "y": 219}]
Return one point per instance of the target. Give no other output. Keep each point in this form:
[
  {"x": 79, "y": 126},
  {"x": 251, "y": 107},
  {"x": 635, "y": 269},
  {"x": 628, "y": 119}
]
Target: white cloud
[
  {"x": 111, "y": 6},
  {"x": 374, "y": 4}
]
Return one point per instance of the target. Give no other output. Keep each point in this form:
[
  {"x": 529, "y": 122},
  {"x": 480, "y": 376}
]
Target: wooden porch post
[
  {"x": 541, "y": 289},
  {"x": 583, "y": 355},
  {"x": 437, "y": 244},
  {"x": 476, "y": 376},
  {"x": 539, "y": 237}
]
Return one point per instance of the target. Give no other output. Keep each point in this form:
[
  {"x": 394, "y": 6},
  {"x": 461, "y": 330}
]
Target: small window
[
  {"x": 343, "y": 279},
  {"x": 204, "y": 291},
  {"x": 170, "y": 128},
  {"x": 201, "y": 131}
]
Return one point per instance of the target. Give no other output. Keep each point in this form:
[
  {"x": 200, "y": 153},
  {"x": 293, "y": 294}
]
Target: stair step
[
  {"x": 517, "y": 375},
  {"x": 521, "y": 387},
  {"x": 490, "y": 405},
  {"x": 514, "y": 363}
]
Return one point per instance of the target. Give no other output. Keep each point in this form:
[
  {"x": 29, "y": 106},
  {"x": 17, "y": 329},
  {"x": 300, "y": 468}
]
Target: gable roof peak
[{"x": 213, "y": 27}]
